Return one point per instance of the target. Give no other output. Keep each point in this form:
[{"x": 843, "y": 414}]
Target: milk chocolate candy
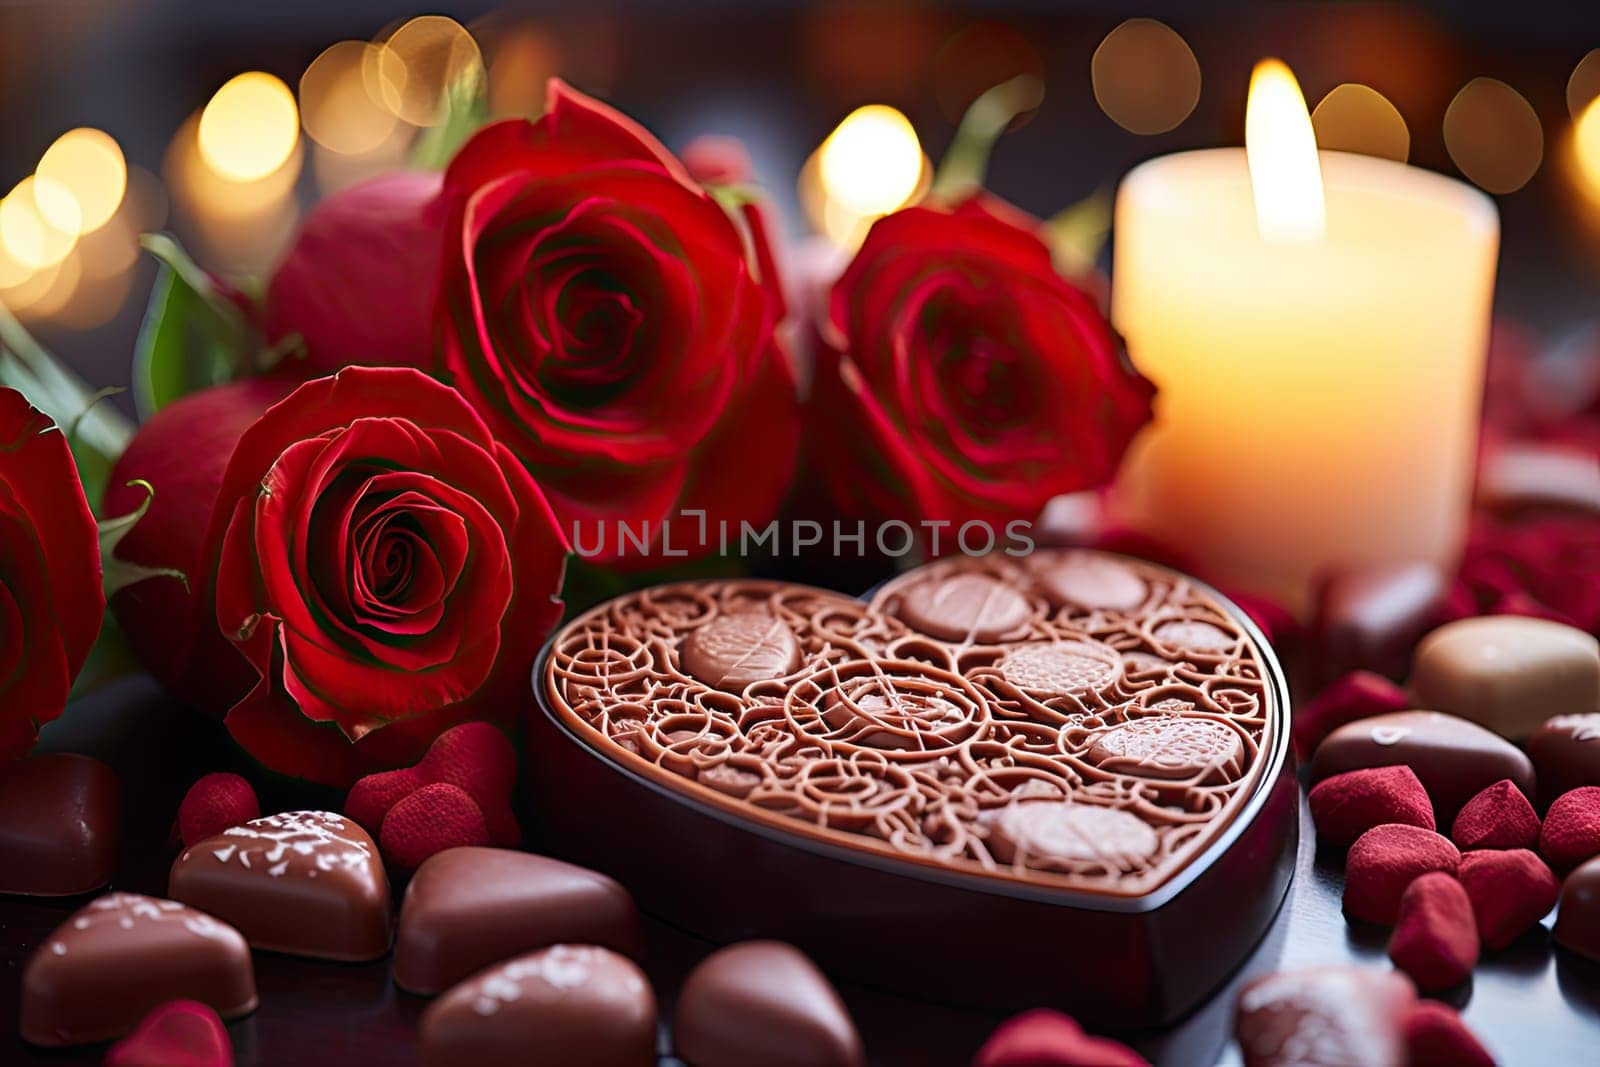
[
  {"x": 1507, "y": 672},
  {"x": 469, "y": 907},
  {"x": 1522, "y": 478},
  {"x": 763, "y": 1002},
  {"x": 1371, "y": 618},
  {"x": 1566, "y": 754},
  {"x": 573, "y": 1005},
  {"x": 308, "y": 883},
  {"x": 97, "y": 975},
  {"x": 60, "y": 823},
  {"x": 1324, "y": 1017},
  {"x": 1578, "y": 919},
  {"x": 1453, "y": 758}
]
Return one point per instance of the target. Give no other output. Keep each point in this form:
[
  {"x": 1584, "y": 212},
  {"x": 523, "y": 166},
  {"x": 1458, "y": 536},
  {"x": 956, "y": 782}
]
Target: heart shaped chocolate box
[{"x": 1056, "y": 779}]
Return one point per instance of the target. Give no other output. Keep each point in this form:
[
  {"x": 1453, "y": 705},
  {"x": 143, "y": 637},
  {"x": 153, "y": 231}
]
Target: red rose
[
  {"x": 962, "y": 379},
  {"x": 358, "y": 284},
  {"x": 51, "y": 601},
  {"x": 374, "y": 568},
  {"x": 600, "y": 309}
]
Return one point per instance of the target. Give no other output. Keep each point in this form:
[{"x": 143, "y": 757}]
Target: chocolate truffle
[
  {"x": 1507, "y": 672},
  {"x": 966, "y": 607},
  {"x": 1455, "y": 759},
  {"x": 1349, "y": 1016},
  {"x": 469, "y": 907},
  {"x": 1578, "y": 919},
  {"x": 573, "y": 1005},
  {"x": 763, "y": 1002},
  {"x": 60, "y": 823},
  {"x": 1566, "y": 754},
  {"x": 97, "y": 975},
  {"x": 309, "y": 883},
  {"x": 733, "y": 651}
]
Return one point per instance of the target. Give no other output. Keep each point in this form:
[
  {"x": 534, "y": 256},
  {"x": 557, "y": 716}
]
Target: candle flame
[{"x": 1285, "y": 173}]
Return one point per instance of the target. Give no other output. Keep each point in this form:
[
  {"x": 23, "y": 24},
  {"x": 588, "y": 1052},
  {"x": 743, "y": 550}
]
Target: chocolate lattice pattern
[{"x": 1067, "y": 718}]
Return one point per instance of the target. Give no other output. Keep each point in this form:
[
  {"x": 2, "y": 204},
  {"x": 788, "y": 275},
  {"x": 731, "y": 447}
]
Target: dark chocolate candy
[
  {"x": 733, "y": 651},
  {"x": 1324, "y": 1017},
  {"x": 469, "y": 907},
  {"x": 966, "y": 607},
  {"x": 309, "y": 883},
  {"x": 1566, "y": 753},
  {"x": 1507, "y": 672},
  {"x": 573, "y": 1005},
  {"x": 1454, "y": 758},
  {"x": 763, "y": 1002},
  {"x": 1578, "y": 919},
  {"x": 1372, "y": 617},
  {"x": 98, "y": 973},
  {"x": 60, "y": 822}
]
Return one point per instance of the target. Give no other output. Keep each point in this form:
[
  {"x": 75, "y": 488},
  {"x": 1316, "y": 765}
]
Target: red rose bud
[
  {"x": 1510, "y": 892},
  {"x": 51, "y": 599},
  {"x": 1571, "y": 831},
  {"x": 1045, "y": 1038},
  {"x": 213, "y": 804},
  {"x": 1436, "y": 1037},
  {"x": 1435, "y": 937},
  {"x": 358, "y": 283},
  {"x": 1498, "y": 817},
  {"x": 179, "y": 1033},
  {"x": 1033, "y": 396},
  {"x": 1357, "y": 695},
  {"x": 430, "y": 820},
  {"x": 652, "y": 387},
  {"x": 1387, "y": 859},
  {"x": 1347, "y": 805},
  {"x": 474, "y": 757}
]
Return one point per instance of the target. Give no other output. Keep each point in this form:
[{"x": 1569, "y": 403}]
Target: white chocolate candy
[{"x": 1506, "y": 672}]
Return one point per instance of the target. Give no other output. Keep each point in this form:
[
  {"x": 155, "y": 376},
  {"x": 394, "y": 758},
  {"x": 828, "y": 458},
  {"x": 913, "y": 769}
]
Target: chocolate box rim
[{"x": 1268, "y": 773}]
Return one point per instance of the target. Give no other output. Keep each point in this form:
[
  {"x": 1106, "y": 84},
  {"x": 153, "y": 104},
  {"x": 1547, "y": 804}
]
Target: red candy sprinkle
[
  {"x": 1045, "y": 1038},
  {"x": 475, "y": 757},
  {"x": 434, "y": 818},
  {"x": 1498, "y": 817},
  {"x": 179, "y": 1033},
  {"x": 1571, "y": 832},
  {"x": 213, "y": 804},
  {"x": 1384, "y": 861},
  {"x": 1347, "y": 805},
  {"x": 1510, "y": 892},
  {"x": 1357, "y": 695},
  {"x": 1435, "y": 937},
  {"x": 1436, "y": 1037}
]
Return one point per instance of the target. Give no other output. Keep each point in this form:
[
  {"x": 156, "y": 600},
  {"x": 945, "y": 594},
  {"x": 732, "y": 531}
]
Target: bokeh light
[
  {"x": 335, "y": 107},
  {"x": 1493, "y": 135},
  {"x": 872, "y": 162},
  {"x": 1586, "y": 151},
  {"x": 1146, "y": 78},
  {"x": 1358, "y": 118},
  {"x": 87, "y": 163},
  {"x": 1584, "y": 85},
  {"x": 523, "y": 61},
  {"x": 250, "y": 128},
  {"x": 39, "y": 222},
  {"x": 1285, "y": 173},
  {"x": 411, "y": 69}
]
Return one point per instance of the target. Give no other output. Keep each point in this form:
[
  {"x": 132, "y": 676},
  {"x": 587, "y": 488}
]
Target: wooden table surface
[{"x": 1532, "y": 1004}]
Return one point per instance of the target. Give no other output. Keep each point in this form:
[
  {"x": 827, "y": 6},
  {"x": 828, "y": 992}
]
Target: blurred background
[{"x": 224, "y": 122}]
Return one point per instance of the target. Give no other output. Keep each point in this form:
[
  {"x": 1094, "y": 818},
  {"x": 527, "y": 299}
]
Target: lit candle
[{"x": 1316, "y": 324}]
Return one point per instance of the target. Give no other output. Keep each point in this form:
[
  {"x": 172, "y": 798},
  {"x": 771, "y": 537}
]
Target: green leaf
[
  {"x": 466, "y": 110},
  {"x": 192, "y": 336},
  {"x": 1077, "y": 234},
  {"x": 966, "y": 162},
  {"x": 119, "y": 573}
]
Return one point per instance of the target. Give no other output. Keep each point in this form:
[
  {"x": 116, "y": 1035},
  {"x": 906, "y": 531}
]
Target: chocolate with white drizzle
[
  {"x": 310, "y": 883},
  {"x": 1069, "y": 719},
  {"x": 97, "y": 975}
]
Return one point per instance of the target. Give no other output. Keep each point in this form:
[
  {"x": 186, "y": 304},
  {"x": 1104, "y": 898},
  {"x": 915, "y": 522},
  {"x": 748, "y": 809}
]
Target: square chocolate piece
[{"x": 60, "y": 823}]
